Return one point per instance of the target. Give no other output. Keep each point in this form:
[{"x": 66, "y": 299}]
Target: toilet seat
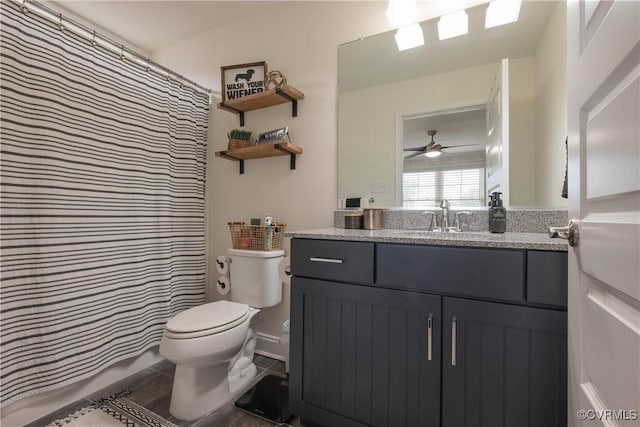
[{"x": 207, "y": 319}]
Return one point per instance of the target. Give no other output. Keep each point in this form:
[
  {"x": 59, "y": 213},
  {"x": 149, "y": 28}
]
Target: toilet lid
[{"x": 208, "y": 316}]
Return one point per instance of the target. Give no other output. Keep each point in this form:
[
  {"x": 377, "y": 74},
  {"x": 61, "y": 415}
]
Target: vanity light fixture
[
  {"x": 453, "y": 25},
  {"x": 401, "y": 13},
  {"x": 502, "y": 12},
  {"x": 409, "y": 37}
]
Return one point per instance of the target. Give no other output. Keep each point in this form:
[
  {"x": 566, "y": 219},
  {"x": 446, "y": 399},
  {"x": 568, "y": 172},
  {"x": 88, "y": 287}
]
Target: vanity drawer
[
  {"x": 547, "y": 277},
  {"x": 486, "y": 273},
  {"x": 350, "y": 262}
]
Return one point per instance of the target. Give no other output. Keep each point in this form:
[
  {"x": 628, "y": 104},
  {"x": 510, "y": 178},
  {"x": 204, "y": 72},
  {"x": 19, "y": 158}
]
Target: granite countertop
[{"x": 480, "y": 239}]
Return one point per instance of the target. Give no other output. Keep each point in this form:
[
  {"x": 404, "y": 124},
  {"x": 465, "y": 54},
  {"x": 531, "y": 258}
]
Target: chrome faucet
[
  {"x": 431, "y": 216},
  {"x": 444, "y": 204},
  {"x": 458, "y": 224}
]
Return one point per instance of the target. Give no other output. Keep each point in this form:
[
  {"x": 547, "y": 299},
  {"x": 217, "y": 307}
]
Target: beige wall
[
  {"x": 522, "y": 132},
  {"x": 551, "y": 110},
  {"x": 300, "y": 39}
]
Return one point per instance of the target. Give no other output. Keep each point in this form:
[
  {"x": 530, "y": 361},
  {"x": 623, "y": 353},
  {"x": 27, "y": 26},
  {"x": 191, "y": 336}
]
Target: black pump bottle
[{"x": 497, "y": 214}]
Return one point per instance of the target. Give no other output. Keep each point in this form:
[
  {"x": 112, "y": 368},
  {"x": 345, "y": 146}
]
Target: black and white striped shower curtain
[{"x": 102, "y": 180}]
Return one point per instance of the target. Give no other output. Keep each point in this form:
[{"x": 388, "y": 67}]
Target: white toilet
[{"x": 212, "y": 344}]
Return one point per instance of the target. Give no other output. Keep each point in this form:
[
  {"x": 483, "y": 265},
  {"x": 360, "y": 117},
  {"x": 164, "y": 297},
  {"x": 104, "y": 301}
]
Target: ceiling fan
[{"x": 432, "y": 149}]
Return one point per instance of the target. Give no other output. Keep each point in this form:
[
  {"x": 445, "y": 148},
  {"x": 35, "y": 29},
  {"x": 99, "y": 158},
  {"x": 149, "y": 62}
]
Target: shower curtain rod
[{"x": 98, "y": 40}]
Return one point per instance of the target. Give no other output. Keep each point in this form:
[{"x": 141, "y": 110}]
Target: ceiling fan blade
[
  {"x": 453, "y": 146},
  {"x": 410, "y": 156},
  {"x": 423, "y": 148}
]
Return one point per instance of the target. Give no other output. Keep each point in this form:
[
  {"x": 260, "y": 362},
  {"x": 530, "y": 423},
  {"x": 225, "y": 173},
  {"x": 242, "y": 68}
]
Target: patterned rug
[{"x": 115, "y": 410}]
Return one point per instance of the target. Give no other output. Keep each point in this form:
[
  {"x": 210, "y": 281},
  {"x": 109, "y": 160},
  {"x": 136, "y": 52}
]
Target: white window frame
[{"x": 439, "y": 189}]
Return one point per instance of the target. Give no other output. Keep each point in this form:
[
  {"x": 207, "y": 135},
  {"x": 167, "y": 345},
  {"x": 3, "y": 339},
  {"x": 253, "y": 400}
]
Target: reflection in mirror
[
  {"x": 451, "y": 165},
  {"x": 390, "y": 100}
]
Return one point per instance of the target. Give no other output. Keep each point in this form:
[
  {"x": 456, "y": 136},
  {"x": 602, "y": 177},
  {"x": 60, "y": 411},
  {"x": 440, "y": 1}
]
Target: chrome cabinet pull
[
  {"x": 327, "y": 260},
  {"x": 429, "y": 335},
  {"x": 453, "y": 341}
]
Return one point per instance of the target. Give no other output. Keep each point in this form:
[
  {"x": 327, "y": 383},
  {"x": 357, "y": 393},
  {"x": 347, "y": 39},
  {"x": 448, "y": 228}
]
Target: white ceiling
[
  {"x": 152, "y": 25},
  {"x": 376, "y": 60},
  {"x": 149, "y": 25}
]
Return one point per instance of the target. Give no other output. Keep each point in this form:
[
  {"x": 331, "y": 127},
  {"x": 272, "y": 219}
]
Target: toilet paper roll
[
  {"x": 222, "y": 265},
  {"x": 223, "y": 286},
  {"x": 284, "y": 270}
]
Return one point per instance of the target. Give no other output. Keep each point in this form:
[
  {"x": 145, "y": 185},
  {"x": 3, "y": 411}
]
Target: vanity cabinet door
[
  {"x": 503, "y": 365},
  {"x": 364, "y": 356}
]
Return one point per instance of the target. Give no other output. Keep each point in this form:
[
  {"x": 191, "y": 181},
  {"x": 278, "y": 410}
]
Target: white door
[
  {"x": 497, "y": 149},
  {"x": 604, "y": 195}
]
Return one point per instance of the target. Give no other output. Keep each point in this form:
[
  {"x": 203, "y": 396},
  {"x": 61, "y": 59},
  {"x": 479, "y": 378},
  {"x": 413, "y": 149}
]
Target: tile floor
[{"x": 151, "y": 388}]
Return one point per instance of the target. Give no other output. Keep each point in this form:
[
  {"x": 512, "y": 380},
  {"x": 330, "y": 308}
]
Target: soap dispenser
[{"x": 497, "y": 214}]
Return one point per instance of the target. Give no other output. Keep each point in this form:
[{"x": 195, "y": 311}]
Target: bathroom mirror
[{"x": 389, "y": 100}]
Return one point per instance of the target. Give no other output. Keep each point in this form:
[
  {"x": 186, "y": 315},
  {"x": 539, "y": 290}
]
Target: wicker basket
[
  {"x": 255, "y": 237},
  {"x": 234, "y": 144}
]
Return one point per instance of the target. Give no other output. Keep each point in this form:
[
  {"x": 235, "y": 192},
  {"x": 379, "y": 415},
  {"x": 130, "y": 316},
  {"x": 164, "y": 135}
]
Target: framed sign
[
  {"x": 273, "y": 135},
  {"x": 242, "y": 80}
]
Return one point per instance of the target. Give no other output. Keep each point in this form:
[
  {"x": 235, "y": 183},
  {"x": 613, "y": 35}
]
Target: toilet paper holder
[
  {"x": 284, "y": 270},
  {"x": 227, "y": 260},
  {"x": 223, "y": 286}
]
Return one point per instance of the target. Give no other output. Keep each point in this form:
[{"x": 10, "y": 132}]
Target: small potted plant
[{"x": 238, "y": 138}]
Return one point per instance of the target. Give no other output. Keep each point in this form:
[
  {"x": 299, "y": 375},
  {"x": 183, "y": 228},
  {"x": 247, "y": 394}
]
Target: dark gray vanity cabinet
[
  {"x": 364, "y": 356},
  {"x": 503, "y": 365},
  {"x": 411, "y": 335}
]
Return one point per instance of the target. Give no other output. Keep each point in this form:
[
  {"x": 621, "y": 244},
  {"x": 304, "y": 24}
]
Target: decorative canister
[
  {"x": 372, "y": 218},
  {"x": 353, "y": 220}
]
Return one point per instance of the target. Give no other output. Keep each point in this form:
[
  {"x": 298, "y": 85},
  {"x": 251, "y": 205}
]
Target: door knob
[{"x": 570, "y": 232}]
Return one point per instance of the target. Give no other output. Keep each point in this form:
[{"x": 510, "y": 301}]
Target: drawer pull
[
  {"x": 326, "y": 260},
  {"x": 453, "y": 341},
  {"x": 429, "y": 336}
]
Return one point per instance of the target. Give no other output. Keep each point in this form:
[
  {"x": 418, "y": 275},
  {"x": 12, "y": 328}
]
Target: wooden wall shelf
[
  {"x": 281, "y": 148},
  {"x": 267, "y": 98}
]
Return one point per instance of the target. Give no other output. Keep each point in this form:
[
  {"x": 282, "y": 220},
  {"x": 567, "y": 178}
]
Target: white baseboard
[{"x": 269, "y": 346}]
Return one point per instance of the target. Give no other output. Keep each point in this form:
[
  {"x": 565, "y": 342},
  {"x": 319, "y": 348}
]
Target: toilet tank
[{"x": 254, "y": 277}]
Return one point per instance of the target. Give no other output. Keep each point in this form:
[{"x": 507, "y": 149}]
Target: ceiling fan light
[
  {"x": 501, "y": 12},
  {"x": 453, "y": 25},
  {"x": 409, "y": 37},
  {"x": 432, "y": 154}
]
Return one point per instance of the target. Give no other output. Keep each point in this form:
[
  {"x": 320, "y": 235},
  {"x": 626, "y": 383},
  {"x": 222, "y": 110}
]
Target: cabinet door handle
[
  {"x": 327, "y": 260},
  {"x": 454, "y": 333},
  {"x": 429, "y": 336}
]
